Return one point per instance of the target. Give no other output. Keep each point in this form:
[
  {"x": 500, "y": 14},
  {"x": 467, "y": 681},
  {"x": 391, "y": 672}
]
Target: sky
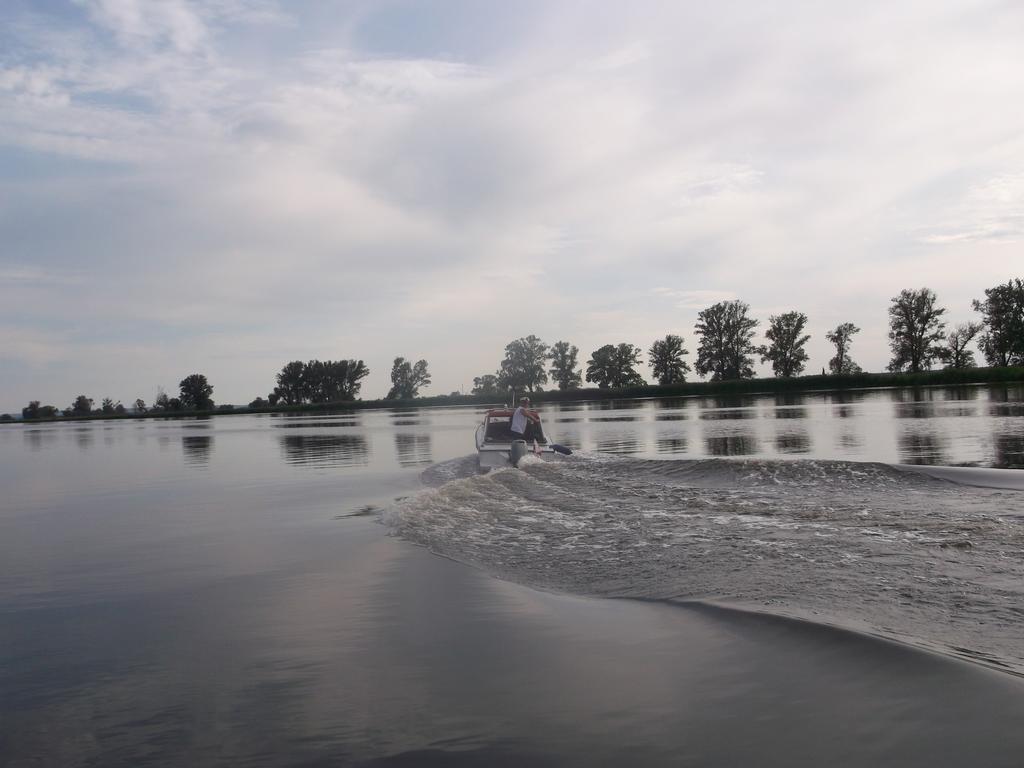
[{"x": 224, "y": 186}]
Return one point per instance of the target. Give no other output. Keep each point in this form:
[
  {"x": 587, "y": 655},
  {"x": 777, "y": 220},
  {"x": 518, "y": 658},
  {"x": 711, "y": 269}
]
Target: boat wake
[{"x": 881, "y": 549}]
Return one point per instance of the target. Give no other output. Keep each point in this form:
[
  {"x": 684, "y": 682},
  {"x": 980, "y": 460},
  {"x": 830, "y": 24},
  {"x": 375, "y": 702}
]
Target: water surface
[{"x": 264, "y": 590}]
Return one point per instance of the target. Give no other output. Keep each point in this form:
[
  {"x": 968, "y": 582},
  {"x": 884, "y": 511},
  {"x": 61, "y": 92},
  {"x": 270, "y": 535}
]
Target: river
[{"x": 826, "y": 578}]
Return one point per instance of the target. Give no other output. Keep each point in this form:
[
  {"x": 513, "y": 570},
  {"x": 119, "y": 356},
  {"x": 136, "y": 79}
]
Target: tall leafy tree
[
  {"x": 563, "y": 365},
  {"x": 319, "y": 381},
  {"x": 196, "y": 392},
  {"x": 786, "y": 344},
  {"x": 841, "y": 337},
  {"x": 140, "y": 405},
  {"x": 956, "y": 353},
  {"x": 82, "y": 406},
  {"x": 290, "y": 387},
  {"x": 1003, "y": 313},
  {"x": 666, "y": 359},
  {"x": 613, "y": 366},
  {"x": 726, "y": 348},
  {"x": 107, "y": 406},
  {"x": 915, "y": 330},
  {"x": 485, "y": 385},
  {"x": 406, "y": 379},
  {"x": 524, "y": 364}
]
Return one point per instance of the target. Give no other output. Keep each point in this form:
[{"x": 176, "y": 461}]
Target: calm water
[{"x": 266, "y": 590}]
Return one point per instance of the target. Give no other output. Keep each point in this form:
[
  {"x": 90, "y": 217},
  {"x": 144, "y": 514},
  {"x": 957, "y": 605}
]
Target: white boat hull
[{"x": 495, "y": 455}]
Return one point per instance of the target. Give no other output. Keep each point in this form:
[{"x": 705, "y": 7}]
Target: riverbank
[{"x": 772, "y": 385}]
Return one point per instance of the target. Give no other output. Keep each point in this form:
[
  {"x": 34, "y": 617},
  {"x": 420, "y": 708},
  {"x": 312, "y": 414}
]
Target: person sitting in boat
[{"x": 523, "y": 420}]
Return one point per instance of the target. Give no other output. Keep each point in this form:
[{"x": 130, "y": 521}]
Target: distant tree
[
  {"x": 290, "y": 385},
  {"x": 956, "y": 354},
  {"x": 174, "y": 404},
  {"x": 319, "y": 381},
  {"x": 273, "y": 398},
  {"x": 6, "y": 417},
  {"x": 726, "y": 348},
  {"x": 841, "y": 364},
  {"x": 118, "y": 408},
  {"x": 787, "y": 341},
  {"x": 1003, "y": 313},
  {"x": 195, "y": 393},
  {"x": 140, "y": 405},
  {"x": 107, "y": 406},
  {"x": 406, "y": 379},
  {"x": 161, "y": 402},
  {"x": 82, "y": 406},
  {"x": 36, "y": 411},
  {"x": 341, "y": 382},
  {"x": 485, "y": 385},
  {"x": 666, "y": 359},
  {"x": 563, "y": 358},
  {"x": 524, "y": 364},
  {"x": 613, "y": 366},
  {"x": 915, "y": 330},
  {"x": 259, "y": 402}
]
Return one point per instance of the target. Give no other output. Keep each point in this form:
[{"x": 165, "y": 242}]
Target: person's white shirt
[{"x": 519, "y": 420}]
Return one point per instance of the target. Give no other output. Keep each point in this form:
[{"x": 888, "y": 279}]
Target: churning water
[{"x": 885, "y": 549}]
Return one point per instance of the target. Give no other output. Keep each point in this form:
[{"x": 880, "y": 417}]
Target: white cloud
[{"x": 606, "y": 175}]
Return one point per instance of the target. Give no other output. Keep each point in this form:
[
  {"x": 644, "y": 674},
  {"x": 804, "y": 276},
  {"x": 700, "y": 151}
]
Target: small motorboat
[{"x": 497, "y": 446}]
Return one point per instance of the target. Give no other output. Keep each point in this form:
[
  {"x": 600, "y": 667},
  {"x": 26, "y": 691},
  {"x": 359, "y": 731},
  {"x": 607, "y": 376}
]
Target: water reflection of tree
[
  {"x": 1005, "y": 401},
  {"x": 913, "y": 404},
  {"x": 1009, "y": 450},
  {"x": 727, "y": 407},
  {"x": 672, "y": 445},
  {"x": 793, "y": 441},
  {"x": 790, "y": 406},
  {"x": 413, "y": 450},
  {"x": 1006, "y": 393},
  {"x": 197, "y": 449},
  {"x": 844, "y": 401},
  {"x": 671, "y": 416},
  {"x": 408, "y": 417},
  {"x": 624, "y": 444},
  {"x": 960, "y": 393},
  {"x": 340, "y": 450},
  {"x": 731, "y": 445},
  {"x": 919, "y": 447},
  {"x": 37, "y": 437}
]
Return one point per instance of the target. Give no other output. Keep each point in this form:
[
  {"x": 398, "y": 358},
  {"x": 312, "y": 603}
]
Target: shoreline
[{"x": 763, "y": 386}]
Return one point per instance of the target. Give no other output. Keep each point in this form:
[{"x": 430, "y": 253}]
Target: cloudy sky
[{"x": 224, "y": 186}]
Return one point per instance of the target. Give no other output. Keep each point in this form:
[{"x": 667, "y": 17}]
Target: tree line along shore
[{"x": 726, "y": 351}]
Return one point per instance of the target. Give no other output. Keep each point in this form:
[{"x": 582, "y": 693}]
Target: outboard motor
[{"x": 517, "y": 452}]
